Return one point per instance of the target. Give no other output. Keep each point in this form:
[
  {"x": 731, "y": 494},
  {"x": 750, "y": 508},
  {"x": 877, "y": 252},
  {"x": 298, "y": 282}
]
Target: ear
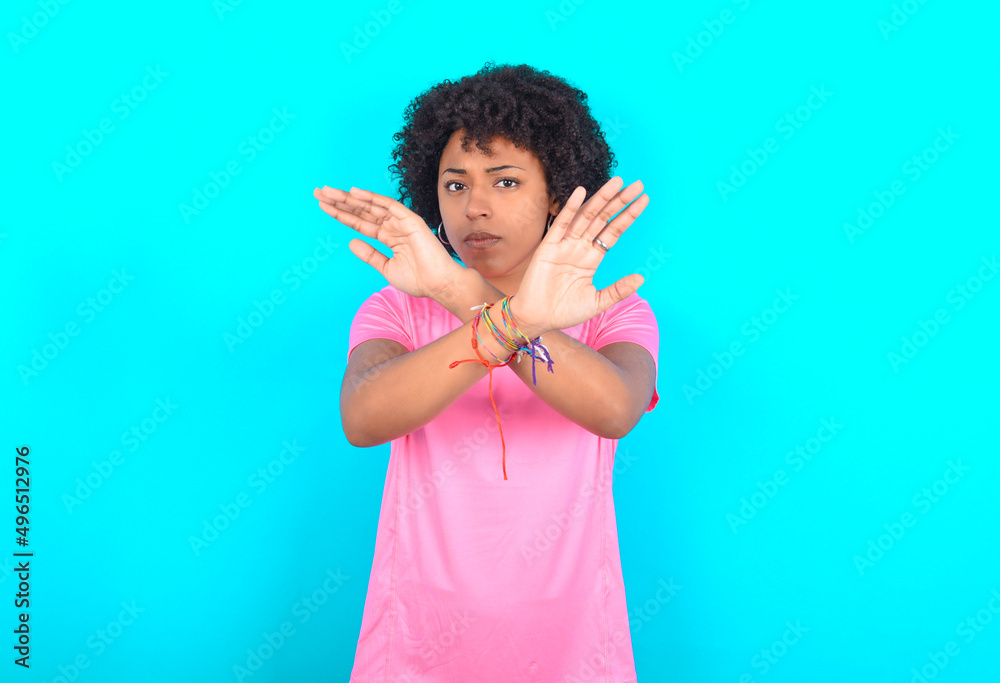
[{"x": 554, "y": 206}]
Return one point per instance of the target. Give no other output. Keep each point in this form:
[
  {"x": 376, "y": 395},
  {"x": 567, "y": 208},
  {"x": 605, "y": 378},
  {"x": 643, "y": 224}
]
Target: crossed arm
[{"x": 388, "y": 391}]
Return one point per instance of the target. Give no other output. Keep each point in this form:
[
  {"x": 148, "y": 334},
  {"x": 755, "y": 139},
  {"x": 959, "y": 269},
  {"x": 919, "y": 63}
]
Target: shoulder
[
  {"x": 634, "y": 302},
  {"x": 630, "y": 320},
  {"x": 391, "y": 299},
  {"x": 392, "y": 314},
  {"x": 388, "y": 296},
  {"x": 632, "y": 310},
  {"x": 383, "y": 315}
]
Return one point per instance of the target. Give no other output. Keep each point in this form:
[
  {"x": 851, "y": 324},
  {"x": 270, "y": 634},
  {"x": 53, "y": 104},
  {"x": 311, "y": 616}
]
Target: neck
[
  {"x": 509, "y": 282},
  {"x": 507, "y": 285}
]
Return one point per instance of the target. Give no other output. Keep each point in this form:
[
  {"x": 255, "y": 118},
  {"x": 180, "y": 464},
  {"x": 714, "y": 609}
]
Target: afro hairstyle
[{"x": 532, "y": 108}]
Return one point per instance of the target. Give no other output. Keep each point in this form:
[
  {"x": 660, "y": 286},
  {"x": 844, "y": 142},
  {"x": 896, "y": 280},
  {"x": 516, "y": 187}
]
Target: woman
[{"x": 496, "y": 554}]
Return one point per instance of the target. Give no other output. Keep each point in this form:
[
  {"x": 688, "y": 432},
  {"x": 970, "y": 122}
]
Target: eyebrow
[{"x": 462, "y": 171}]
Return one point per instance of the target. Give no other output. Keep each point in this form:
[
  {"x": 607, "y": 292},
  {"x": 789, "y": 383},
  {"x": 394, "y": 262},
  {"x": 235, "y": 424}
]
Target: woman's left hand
[{"x": 557, "y": 289}]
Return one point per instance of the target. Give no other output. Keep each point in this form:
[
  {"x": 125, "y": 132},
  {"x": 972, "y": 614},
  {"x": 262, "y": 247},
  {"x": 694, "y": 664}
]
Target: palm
[
  {"x": 557, "y": 290},
  {"x": 419, "y": 266},
  {"x": 563, "y": 277}
]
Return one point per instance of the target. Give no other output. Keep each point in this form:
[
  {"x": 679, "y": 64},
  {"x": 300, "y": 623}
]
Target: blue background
[{"x": 687, "y": 95}]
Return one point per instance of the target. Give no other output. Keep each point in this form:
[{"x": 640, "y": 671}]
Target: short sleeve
[
  {"x": 381, "y": 316},
  {"x": 631, "y": 320}
]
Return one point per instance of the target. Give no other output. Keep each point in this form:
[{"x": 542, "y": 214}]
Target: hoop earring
[
  {"x": 549, "y": 224},
  {"x": 442, "y": 240}
]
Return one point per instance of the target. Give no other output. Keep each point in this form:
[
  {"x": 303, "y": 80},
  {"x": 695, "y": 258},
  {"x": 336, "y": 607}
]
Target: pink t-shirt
[{"x": 478, "y": 579}]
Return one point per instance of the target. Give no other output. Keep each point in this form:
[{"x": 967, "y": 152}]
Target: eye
[{"x": 515, "y": 181}]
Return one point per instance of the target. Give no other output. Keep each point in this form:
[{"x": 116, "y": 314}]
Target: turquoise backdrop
[{"x": 815, "y": 497}]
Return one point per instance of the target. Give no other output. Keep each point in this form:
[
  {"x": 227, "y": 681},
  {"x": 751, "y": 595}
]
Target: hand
[
  {"x": 420, "y": 265},
  {"x": 557, "y": 289}
]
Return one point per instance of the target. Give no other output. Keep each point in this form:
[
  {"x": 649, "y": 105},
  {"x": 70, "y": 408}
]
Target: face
[{"x": 494, "y": 208}]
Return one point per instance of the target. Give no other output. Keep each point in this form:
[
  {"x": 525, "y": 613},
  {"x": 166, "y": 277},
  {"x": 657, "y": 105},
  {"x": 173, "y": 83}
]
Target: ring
[{"x": 598, "y": 243}]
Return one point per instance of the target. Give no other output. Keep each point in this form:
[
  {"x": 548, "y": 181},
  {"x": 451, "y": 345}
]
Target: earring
[
  {"x": 443, "y": 240},
  {"x": 549, "y": 224}
]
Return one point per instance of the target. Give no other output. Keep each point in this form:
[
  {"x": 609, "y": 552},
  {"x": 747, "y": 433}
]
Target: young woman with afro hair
[{"x": 496, "y": 554}]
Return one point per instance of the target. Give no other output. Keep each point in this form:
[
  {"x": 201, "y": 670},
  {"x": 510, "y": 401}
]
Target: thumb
[
  {"x": 368, "y": 254},
  {"x": 618, "y": 291}
]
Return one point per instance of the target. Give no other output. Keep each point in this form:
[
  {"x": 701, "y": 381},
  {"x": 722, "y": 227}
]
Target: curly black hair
[{"x": 532, "y": 108}]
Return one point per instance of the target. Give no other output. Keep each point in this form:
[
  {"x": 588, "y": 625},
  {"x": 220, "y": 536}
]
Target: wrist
[
  {"x": 525, "y": 327},
  {"x": 491, "y": 348},
  {"x": 465, "y": 290}
]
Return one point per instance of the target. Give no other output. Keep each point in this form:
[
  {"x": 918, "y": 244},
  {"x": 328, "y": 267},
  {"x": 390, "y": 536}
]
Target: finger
[
  {"x": 619, "y": 291},
  {"x": 375, "y": 214},
  {"x": 590, "y": 209},
  {"x": 561, "y": 224},
  {"x": 614, "y": 230},
  {"x": 612, "y": 207},
  {"x": 326, "y": 193},
  {"x": 345, "y": 202},
  {"x": 369, "y": 254},
  {"x": 391, "y": 206},
  {"x": 353, "y": 221}
]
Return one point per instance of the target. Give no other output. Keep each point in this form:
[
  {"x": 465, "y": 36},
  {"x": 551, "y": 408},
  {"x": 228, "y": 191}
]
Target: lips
[{"x": 481, "y": 240}]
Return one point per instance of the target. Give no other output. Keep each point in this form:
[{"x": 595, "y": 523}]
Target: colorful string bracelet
[
  {"x": 511, "y": 339},
  {"x": 532, "y": 347},
  {"x": 482, "y": 361}
]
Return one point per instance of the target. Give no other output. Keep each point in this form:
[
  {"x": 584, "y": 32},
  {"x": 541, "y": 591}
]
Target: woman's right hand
[{"x": 420, "y": 265}]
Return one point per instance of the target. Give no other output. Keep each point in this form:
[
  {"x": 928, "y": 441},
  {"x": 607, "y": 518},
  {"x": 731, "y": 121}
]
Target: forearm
[
  {"x": 585, "y": 386},
  {"x": 399, "y": 394},
  {"x": 467, "y": 290}
]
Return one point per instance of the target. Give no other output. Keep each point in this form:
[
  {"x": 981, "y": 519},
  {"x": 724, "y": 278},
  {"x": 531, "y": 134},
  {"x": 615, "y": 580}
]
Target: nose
[{"x": 478, "y": 205}]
